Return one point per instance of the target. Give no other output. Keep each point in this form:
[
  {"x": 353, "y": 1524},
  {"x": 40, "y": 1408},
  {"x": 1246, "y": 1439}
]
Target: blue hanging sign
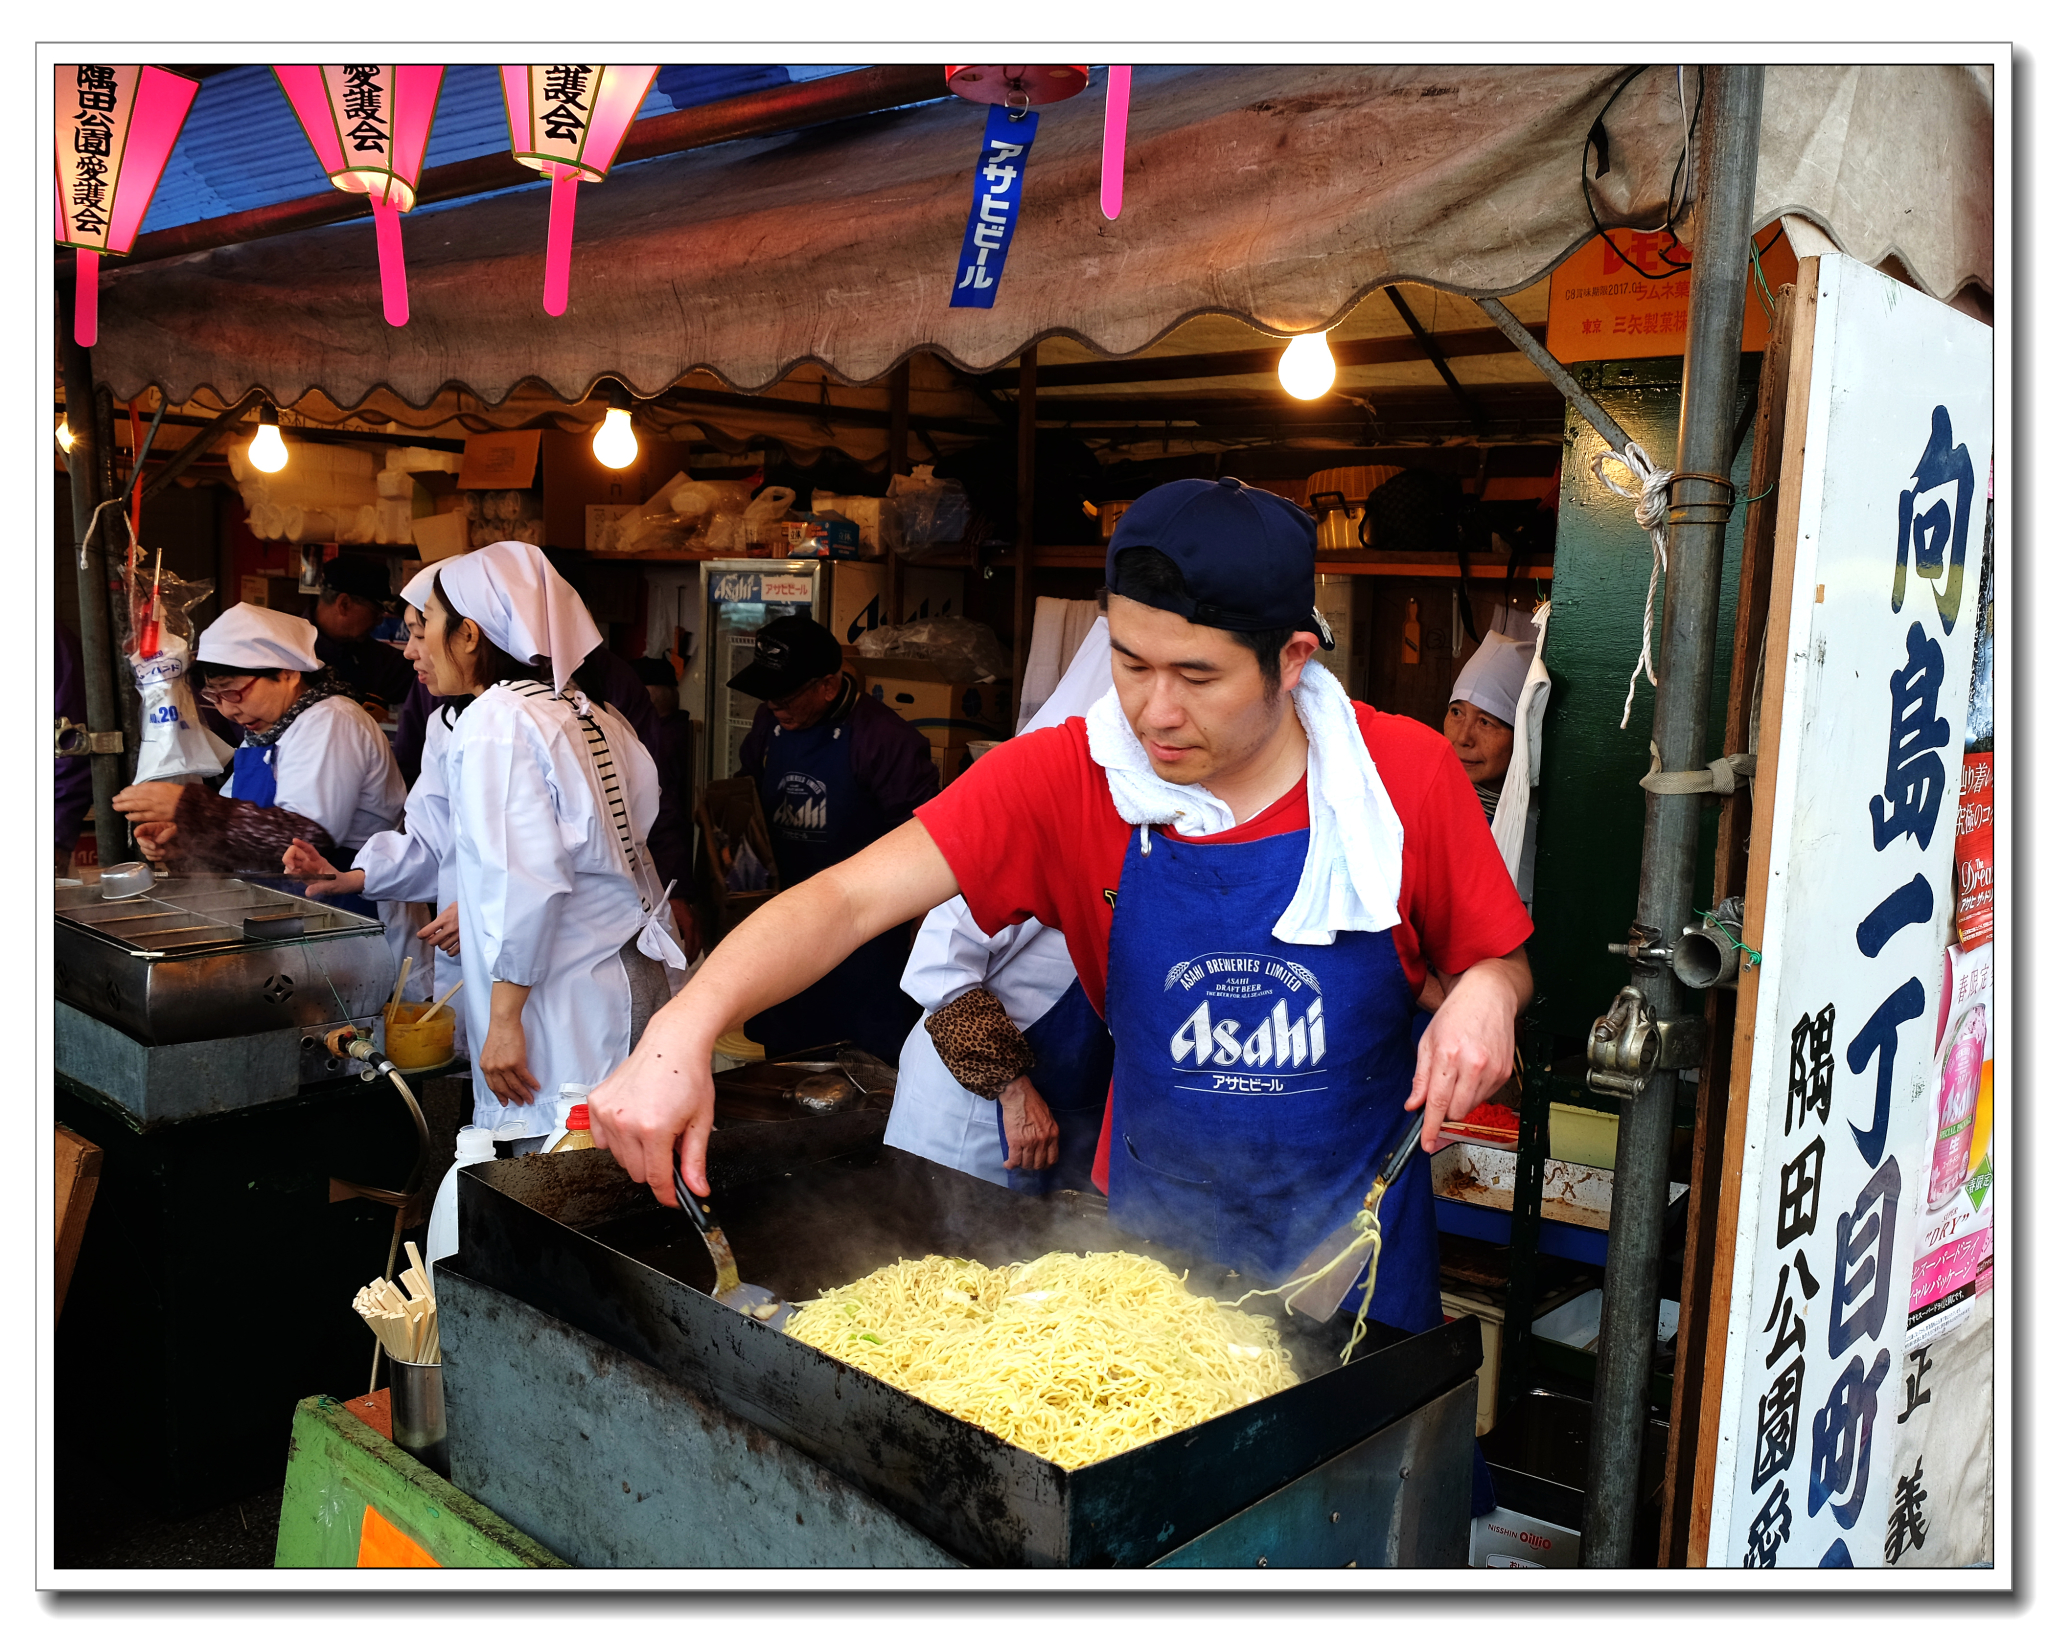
[{"x": 998, "y": 186}]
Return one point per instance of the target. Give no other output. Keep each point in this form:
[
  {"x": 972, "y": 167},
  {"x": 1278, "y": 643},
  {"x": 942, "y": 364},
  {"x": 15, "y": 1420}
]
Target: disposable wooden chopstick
[
  {"x": 438, "y": 1004},
  {"x": 404, "y": 970}
]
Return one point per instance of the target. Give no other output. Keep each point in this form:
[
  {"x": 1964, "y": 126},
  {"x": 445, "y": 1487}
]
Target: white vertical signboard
[{"x": 1890, "y": 535}]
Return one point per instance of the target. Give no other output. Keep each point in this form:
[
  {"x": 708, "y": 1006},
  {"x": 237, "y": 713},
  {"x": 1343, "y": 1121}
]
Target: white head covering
[
  {"x": 1492, "y": 680},
  {"x": 251, "y": 638},
  {"x": 517, "y": 599},
  {"x": 1087, "y": 677},
  {"x": 421, "y": 584}
]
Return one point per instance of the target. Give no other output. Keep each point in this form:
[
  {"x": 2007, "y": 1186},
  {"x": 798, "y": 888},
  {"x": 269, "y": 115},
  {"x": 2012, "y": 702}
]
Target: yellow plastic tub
[{"x": 413, "y": 1047}]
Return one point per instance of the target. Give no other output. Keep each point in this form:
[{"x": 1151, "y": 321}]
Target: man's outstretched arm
[{"x": 663, "y": 1092}]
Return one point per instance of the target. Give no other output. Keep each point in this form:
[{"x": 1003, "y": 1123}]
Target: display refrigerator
[{"x": 739, "y": 595}]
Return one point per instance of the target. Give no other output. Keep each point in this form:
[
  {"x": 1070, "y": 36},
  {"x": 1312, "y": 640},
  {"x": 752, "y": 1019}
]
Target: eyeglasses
[{"x": 216, "y": 693}]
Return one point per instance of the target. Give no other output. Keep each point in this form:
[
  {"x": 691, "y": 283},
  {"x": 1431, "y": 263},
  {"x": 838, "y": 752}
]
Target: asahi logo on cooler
[{"x": 1251, "y": 1013}]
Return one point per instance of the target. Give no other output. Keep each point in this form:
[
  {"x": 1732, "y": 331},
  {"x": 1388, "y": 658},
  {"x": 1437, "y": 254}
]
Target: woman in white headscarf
[
  {"x": 312, "y": 764},
  {"x": 1495, "y": 727},
  {"x": 550, "y": 796},
  {"x": 405, "y": 867}
]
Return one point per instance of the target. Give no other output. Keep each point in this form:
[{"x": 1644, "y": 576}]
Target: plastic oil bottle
[{"x": 472, "y": 1144}]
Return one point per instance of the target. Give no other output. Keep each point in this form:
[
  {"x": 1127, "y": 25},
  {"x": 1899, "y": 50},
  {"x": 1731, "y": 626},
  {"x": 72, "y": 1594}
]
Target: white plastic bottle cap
[
  {"x": 474, "y": 1144},
  {"x": 574, "y": 1094},
  {"x": 514, "y": 1129}
]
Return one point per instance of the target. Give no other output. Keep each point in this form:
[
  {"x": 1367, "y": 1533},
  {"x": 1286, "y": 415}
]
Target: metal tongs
[
  {"x": 1320, "y": 1298},
  {"x": 751, "y": 1300}
]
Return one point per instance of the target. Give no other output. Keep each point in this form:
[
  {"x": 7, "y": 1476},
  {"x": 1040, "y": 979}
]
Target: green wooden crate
[{"x": 353, "y": 1498}]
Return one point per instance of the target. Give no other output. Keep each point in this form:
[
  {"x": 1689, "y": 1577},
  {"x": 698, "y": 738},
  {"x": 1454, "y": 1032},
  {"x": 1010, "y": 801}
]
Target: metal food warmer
[
  {"x": 208, "y": 994},
  {"x": 601, "y": 1401}
]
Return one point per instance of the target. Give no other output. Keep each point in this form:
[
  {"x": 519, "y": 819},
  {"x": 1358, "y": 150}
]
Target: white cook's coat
[
  {"x": 332, "y": 764},
  {"x": 417, "y": 864},
  {"x": 1027, "y": 969},
  {"x": 546, "y": 896}
]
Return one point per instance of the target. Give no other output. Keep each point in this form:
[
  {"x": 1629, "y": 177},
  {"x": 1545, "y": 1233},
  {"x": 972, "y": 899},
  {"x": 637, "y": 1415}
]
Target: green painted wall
[{"x": 1591, "y": 834}]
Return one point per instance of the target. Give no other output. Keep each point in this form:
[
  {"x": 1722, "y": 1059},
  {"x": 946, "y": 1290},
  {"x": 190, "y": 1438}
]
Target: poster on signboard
[
  {"x": 1952, "y": 1207},
  {"x": 1873, "y": 627}
]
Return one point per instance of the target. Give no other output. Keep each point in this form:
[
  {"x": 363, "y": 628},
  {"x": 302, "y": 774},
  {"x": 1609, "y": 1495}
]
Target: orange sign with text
[{"x": 1602, "y": 309}]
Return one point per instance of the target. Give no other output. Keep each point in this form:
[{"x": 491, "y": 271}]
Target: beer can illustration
[{"x": 1961, "y": 1073}]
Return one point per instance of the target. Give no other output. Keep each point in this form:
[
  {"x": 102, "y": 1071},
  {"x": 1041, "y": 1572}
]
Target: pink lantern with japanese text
[
  {"x": 115, "y": 130},
  {"x": 369, "y": 125},
  {"x": 567, "y": 122},
  {"x": 1024, "y": 87}
]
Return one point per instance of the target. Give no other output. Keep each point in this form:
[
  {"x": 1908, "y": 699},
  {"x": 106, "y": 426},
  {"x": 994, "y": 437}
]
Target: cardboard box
[
  {"x": 500, "y": 459},
  {"x": 438, "y": 536},
  {"x": 1491, "y": 1318},
  {"x": 933, "y": 592},
  {"x": 1510, "y": 1541},
  {"x": 274, "y": 590},
  {"x": 921, "y": 694},
  {"x": 860, "y": 599}
]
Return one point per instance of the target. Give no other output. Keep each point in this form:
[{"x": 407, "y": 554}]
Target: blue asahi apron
[
  {"x": 1075, "y": 1055},
  {"x": 255, "y": 780},
  {"x": 1259, "y": 1082},
  {"x": 818, "y": 816}
]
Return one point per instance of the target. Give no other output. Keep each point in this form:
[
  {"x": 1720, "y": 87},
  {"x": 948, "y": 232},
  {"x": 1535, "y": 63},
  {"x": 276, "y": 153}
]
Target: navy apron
[
  {"x": 1259, "y": 1082},
  {"x": 256, "y": 781},
  {"x": 1072, "y": 1077},
  {"x": 818, "y": 816}
]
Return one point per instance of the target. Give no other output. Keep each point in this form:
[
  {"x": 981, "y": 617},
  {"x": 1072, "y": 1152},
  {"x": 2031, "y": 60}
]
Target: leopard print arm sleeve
[
  {"x": 979, "y": 1043},
  {"x": 218, "y": 835}
]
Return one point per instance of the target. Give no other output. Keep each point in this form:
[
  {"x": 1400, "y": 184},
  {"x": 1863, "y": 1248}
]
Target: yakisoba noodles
[{"x": 1073, "y": 1356}]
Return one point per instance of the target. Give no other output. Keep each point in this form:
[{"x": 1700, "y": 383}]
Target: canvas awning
[{"x": 1279, "y": 195}]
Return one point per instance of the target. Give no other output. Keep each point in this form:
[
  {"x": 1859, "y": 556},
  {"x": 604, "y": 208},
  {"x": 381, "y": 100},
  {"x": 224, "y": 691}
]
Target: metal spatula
[
  {"x": 1320, "y": 1298},
  {"x": 750, "y": 1299}
]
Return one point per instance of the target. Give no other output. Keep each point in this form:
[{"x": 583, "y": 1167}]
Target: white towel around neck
[{"x": 1351, "y": 879}]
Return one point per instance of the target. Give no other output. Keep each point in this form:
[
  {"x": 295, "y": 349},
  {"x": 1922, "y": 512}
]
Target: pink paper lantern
[
  {"x": 567, "y": 121},
  {"x": 369, "y": 125},
  {"x": 115, "y": 130},
  {"x": 1116, "y": 116}
]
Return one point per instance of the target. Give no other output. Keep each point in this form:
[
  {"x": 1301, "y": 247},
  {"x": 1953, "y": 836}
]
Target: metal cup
[{"x": 419, "y": 1421}]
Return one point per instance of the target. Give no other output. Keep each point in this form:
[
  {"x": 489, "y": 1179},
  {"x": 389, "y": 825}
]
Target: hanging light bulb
[
  {"x": 64, "y": 437},
  {"x": 268, "y": 452},
  {"x": 614, "y": 444},
  {"x": 1307, "y": 369}
]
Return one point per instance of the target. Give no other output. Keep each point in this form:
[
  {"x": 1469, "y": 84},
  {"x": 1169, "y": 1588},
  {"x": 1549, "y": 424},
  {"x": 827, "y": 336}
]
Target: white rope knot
[{"x": 1652, "y": 495}]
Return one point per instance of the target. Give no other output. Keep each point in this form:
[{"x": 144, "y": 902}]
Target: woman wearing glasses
[{"x": 312, "y": 764}]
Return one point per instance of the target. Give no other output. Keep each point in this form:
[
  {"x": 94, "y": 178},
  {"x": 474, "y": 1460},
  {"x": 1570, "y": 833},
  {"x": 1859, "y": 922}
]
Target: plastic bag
[
  {"x": 966, "y": 652},
  {"x": 933, "y": 511},
  {"x": 175, "y": 743}
]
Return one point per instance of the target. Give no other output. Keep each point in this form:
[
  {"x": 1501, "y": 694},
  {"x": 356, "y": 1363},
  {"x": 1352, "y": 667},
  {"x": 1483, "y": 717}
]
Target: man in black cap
[
  {"x": 1254, "y": 876},
  {"x": 837, "y": 770},
  {"x": 355, "y": 596}
]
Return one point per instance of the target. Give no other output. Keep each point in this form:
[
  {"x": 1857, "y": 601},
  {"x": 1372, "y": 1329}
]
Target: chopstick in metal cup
[{"x": 746, "y": 1297}]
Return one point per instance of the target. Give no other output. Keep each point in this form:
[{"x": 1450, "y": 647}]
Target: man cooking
[
  {"x": 837, "y": 769},
  {"x": 1253, "y": 875}
]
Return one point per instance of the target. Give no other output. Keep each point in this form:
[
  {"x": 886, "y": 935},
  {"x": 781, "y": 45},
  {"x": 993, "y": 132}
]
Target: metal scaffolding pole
[
  {"x": 86, "y": 460},
  {"x": 1701, "y": 501}
]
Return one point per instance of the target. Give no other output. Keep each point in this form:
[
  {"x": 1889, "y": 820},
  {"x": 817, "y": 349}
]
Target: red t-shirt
[{"x": 1032, "y": 831}]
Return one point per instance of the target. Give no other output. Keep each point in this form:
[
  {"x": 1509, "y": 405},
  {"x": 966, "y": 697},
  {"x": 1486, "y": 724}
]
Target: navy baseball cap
[
  {"x": 789, "y": 653},
  {"x": 1248, "y": 556}
]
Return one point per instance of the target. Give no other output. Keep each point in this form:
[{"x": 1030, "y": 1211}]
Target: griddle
[
  {"x": 573, "y": 1237},
  {"x": 217, "y": 957}
]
